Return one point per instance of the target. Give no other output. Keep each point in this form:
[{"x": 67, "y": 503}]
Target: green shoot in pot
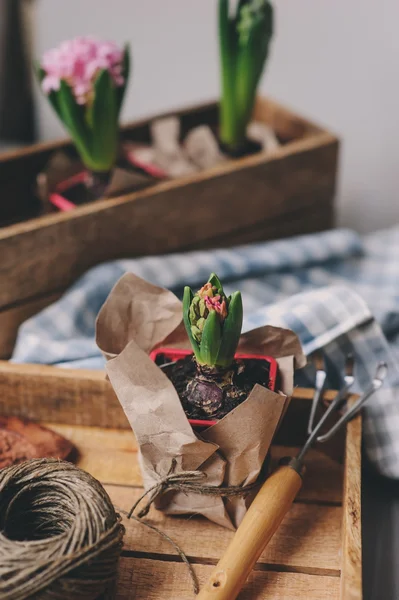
[
  {"x": 213, "y": 323},
  {"x": 244, "y": 40},
  {"x": 85, "y": 82}
]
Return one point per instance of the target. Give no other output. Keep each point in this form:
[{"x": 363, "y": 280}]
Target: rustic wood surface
[
  {"x": 85, "y": 397},
  {"x": 262, "y": 520},
  {"x": 316, "y": 551},
  {"x": 315, "y": 554},
  {"x": 59, "y": 247},
  {"x": 304, "y": 560},
  {"x": 351, "y": 581},
  {"x": 291, "y": 192},
  {"x": 297, "y": 556}
]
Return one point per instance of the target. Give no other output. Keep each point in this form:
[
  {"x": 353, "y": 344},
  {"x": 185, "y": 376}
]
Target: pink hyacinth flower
[
  {"x": 78, "y": 62},
  {"x": 216, "y": 305}
]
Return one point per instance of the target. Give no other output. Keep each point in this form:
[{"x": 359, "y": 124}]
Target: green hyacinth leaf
[
  {"x": 126, "y": 67},
  {"x": 104, "y": 138},
  {"x": 255, "y": 27},
  {"x": 231, "y": 331},
  {"x": 187, "y": 299},
  {"x": 52, "y": 96},
  {"x": 244, "y": 41},
  {"x": 215, "y": 281},
  {"x": 72, "y": 116},
  {"x": 227, "y": 52},
  {"x": 211, "y": 337}
]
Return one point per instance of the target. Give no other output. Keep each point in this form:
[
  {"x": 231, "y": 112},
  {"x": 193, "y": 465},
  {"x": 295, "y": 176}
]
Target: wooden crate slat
[
  {"x": 322, "y": 214},
  {"x": 111, "y": 456},
  {"x": 79, "y": 396},
  {"x": 351, "y": 581},
  {"x": 116, "y": 228},
  {"x": 299, "y": 543},
  {"x": 144, "y": 579},
  {"x": 300, "y": 560},
  {"x": 71, "y": 396}
]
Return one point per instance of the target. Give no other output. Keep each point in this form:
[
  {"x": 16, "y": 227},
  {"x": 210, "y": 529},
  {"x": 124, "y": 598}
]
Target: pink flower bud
[{"x": 78, "y": 62}]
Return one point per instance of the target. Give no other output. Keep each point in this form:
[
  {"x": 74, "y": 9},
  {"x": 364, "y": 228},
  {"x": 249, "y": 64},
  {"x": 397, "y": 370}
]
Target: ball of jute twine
[{"x": 60, "y": 536}]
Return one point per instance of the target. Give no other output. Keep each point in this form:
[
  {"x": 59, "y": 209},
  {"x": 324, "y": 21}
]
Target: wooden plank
[
  {"x": 321, "y": 217},
  {"x": 11, "y": 319},
  {"x": 144, "y": 579},
  {"x": 85, "y": 397},
  {"x": 300, "y": 542},
  {"x": 351, "y": 581},
  {"x": 283, "y": 120},
  {"x": 48, "y": 254},
  {"x": 111, "y": 456},
  {"x": 72, "y": 396}
]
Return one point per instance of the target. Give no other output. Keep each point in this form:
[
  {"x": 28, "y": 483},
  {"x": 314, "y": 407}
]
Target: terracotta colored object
[{"x": 21, "y": 440}]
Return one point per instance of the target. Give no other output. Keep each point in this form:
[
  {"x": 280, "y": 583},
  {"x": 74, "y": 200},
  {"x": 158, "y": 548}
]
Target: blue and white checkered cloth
[{"x": 336, "y": 290}]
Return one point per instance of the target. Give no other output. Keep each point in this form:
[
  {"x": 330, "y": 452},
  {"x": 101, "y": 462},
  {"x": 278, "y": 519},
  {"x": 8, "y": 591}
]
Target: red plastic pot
[
  {"x": 174, "y": 354},
  {"x": 58, "y": 199}
]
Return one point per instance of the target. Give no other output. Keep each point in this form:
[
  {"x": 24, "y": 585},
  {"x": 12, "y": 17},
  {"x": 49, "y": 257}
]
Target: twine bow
[{"x": 187, "y": 482}]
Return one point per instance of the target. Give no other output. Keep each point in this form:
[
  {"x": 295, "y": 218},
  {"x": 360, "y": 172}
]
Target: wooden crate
[
  {"x": 256, "y": 198},
  {"x": 316, "y": 553}
]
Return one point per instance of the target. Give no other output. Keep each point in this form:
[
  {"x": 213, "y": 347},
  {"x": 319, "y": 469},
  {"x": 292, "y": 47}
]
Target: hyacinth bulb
[
  {"x": 85, "y": 81},
  {"x": 213, "y": 323}
]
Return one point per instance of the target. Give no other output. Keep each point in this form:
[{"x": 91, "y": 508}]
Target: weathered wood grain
[
  {"x": 85, "y": 397},
  {"x": 111, "y": 456},
  {"x": 303, "y": 559},
  {"x": 351, "y": 581},
  {"x": 144, "y": 579},
  {"x": 76, "y": 397},
  {"x": 311, "y": 557},
  {"x": 47, "y": 254},
  {"x": 300, "y": 543},
  {"x": 319, "y": 220}
]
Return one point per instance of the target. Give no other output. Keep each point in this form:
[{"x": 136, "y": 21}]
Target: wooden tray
[
  {"x": 315, "y": 555},
  {"x": 259, "y": 197}
]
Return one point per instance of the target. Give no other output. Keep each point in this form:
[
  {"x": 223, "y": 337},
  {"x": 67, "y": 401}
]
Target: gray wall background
[{"x": 336, "y": 62}]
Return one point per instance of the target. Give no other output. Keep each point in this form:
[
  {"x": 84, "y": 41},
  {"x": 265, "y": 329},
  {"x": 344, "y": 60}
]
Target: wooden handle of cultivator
[{"x": 257, "y": 528}]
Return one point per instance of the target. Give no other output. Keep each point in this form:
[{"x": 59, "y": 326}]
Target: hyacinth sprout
[
  {"x": 85, "y": 81},
  {"x": 244, "y": 39},
  {"x": 213, "y": 323}
]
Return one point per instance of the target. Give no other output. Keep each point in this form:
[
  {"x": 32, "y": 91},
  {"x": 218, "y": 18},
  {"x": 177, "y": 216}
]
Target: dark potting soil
[
  {"x": 247, "y": 149},
  {"x": 246, "y": 373}
]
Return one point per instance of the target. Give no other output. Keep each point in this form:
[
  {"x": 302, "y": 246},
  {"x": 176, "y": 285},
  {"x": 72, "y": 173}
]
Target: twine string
[
  {"x": 60, "y": 536},
  {"x": 186, "y": 482}
]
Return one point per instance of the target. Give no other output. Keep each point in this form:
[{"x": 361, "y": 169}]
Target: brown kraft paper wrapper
[{"x": 138, "y": 317}]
